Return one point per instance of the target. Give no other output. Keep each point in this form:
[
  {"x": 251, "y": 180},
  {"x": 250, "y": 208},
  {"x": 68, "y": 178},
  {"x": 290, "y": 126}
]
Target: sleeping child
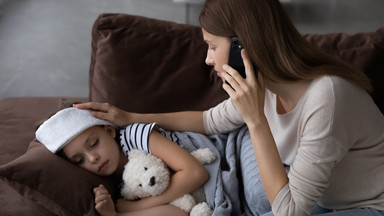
[{"x": 101, "y": 148}]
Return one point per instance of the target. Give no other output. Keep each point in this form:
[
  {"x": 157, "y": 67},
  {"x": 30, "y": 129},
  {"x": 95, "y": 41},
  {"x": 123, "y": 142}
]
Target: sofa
[{"x": 142, "y": 65}]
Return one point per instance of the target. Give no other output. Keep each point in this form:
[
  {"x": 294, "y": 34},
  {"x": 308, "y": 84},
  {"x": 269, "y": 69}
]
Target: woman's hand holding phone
[
  {"x": 247, "y": 93},
  {"x": 235, "y": 59}
]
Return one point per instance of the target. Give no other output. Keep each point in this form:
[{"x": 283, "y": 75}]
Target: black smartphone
[{"x": 235, "y": 60}]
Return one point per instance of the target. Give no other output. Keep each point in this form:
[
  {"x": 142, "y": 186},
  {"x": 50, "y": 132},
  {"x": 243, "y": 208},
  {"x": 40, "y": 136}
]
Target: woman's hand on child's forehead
[{"x": 108, "y": 112}]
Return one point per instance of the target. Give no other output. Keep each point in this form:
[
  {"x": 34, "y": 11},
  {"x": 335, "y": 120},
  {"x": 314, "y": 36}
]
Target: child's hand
[{"x": 104, "y": 203}]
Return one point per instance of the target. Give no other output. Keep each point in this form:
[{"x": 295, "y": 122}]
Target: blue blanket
[{"x": 223, "y": 190}]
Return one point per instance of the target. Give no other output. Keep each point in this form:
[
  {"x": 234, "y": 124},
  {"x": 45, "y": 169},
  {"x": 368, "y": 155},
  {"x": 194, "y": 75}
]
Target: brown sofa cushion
[
  {"x": 18, "y": 117},
  {"x": 53, "y": 182},
  {"x": 146, "y": 65}
]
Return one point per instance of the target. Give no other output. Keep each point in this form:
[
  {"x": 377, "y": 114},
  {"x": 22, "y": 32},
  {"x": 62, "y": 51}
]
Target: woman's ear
[{"x": 111, "y": 130}]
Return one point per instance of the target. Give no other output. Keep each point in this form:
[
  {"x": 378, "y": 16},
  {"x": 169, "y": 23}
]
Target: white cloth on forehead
[{"x": 65, "y": 125}]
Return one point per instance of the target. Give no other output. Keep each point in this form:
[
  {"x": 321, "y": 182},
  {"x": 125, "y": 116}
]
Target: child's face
[{"x": 95, "y": 150}]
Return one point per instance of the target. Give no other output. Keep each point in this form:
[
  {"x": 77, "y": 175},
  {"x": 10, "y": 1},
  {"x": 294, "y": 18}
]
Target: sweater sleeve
[
  {"x": 309, "y": 177},
  {"x": 222, "y": 118}
]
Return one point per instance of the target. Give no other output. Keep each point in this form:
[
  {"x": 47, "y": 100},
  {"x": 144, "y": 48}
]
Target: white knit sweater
[{"x": 333, "y": 140}]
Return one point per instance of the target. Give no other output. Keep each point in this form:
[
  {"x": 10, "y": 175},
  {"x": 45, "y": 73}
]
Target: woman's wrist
[
  {"x": 137, "y": 118},
  {"x": 257, "y": 123}
]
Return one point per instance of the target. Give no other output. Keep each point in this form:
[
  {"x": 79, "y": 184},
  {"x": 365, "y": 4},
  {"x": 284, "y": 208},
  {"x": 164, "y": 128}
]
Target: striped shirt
[{"x": 136, "y": 136}]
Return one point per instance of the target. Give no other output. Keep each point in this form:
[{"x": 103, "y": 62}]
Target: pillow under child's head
[{"x": 55, "y": 183}]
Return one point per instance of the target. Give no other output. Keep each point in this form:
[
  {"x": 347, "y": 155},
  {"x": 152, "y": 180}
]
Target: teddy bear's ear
[{"x": 136, "y": 153}]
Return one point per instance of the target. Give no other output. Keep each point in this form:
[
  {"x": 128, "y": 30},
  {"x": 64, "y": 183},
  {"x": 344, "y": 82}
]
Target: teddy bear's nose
[{"x": 152, "y": 181}]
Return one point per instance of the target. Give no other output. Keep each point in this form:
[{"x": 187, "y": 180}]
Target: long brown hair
[{"x": 273, "y": 43}]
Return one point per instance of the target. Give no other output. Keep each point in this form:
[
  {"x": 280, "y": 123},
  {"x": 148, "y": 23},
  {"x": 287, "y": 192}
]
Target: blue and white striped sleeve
[{"x": 136, "y": 136}]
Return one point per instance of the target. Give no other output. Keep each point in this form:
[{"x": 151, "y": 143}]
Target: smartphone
[{"x": 235, "y": 60}]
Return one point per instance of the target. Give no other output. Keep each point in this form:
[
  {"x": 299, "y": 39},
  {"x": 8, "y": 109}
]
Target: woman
[{"x": 308, "y": 114}]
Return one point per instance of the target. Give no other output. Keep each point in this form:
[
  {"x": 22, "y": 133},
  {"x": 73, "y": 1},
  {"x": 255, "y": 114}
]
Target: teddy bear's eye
[
  {"x": 140, "y": 185},
  {"x": 145, "y": 168}
]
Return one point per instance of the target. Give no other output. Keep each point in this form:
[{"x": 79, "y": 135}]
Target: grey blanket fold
[{"x": 223, "y": 189}]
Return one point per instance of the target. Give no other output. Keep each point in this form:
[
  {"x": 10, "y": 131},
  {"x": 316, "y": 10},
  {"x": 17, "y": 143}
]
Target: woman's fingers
[
  {"x": 101, "y": 107},
  {"x": 99, "y": 110},
  {"x": 106, "y": 111},
  {"x": 234, "y": 78},
  {"x": 231, "y": 76}
]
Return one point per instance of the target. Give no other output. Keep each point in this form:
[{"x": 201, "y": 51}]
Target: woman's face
[
  {"x": 218, "y": 50},
  {"x": 95, "y": 150}
]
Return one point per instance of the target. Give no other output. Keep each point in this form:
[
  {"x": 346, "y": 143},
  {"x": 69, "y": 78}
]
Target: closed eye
[
  {"x": 94, "y": 143},
  {"x": 78, "y": 162}
]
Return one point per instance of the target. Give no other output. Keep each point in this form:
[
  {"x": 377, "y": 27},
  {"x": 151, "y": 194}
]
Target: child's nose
[{"x": 93, "y": 158}]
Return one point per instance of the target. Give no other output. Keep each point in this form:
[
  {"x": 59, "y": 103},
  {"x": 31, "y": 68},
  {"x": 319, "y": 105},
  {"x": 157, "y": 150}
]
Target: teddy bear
[{"x": 147, "y": 175}]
